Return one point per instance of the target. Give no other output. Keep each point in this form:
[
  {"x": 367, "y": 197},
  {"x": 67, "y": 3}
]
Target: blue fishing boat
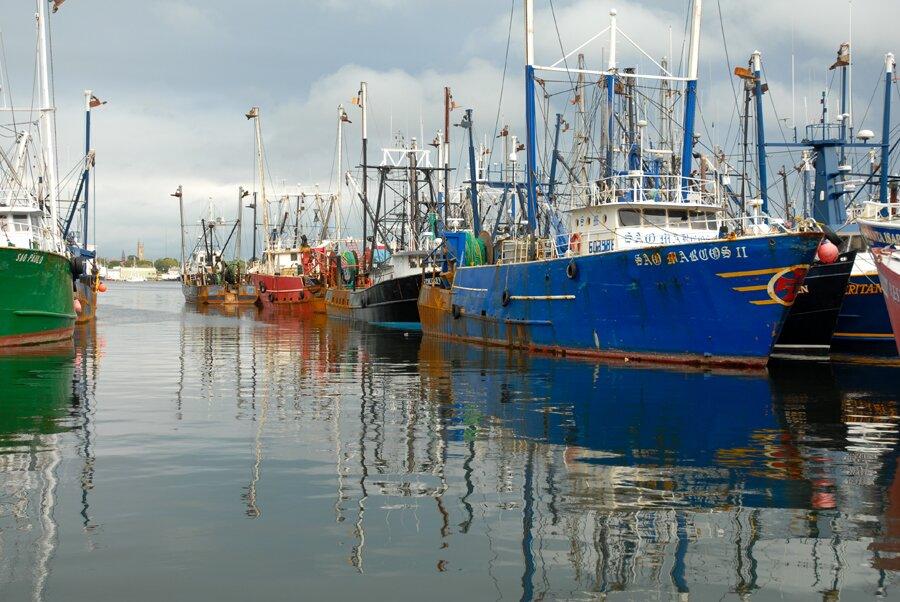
[{"x": 643, "y": 263}]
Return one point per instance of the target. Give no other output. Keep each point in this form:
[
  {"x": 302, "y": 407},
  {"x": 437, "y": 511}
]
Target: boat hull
[
  {"x": 393, "y": 301},
  {"x": 717, "y": 302},
  {"x": 889, "y": 275},
  {"x": 810, "y": 323},
  {"x": 219, "y": 294},
  {"x": 285, "y": 291},
  {"x": 863, "y": 328},
  {"x": 86, "y": 293},
  {"x": 36, "y": 298}
]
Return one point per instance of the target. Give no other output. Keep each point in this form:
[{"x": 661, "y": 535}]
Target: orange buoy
[
  {"x": 102, "y": 287},
  {"x": 828, "y": 252}
]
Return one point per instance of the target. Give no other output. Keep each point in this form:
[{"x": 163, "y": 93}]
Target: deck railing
[{"x": 637, "y": 186}]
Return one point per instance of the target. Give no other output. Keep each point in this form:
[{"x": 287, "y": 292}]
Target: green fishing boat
[{"x": 37, "y": 303}]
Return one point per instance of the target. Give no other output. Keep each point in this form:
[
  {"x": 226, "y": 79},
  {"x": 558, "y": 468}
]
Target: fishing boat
[
  {"x": 381, "y": 285},
  {"x": 36, "y": 271},
  {"x": 642, "y": 264},
  {"x": 206, "y": 277},
  {"x": 289, "y": 275},
  {"x": 836, "y": 172}
]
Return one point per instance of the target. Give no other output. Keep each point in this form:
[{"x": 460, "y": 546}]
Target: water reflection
[
  {"x": 251, "y": 452},
  {"x": 581, "y": 478},
  {"x": 46, "y": 393},
  {"x": 647, "y": 480}
]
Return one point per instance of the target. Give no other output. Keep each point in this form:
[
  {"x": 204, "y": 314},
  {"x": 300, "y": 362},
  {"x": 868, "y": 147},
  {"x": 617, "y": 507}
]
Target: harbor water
[{"x": 177, "y": 454}]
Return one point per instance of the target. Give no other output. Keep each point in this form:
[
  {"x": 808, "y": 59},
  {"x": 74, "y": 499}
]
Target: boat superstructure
[{"x": 381, "y": 284}]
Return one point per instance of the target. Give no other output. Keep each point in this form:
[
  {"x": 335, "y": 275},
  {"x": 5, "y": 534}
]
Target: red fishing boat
[
  {"x": 291, "y": 278},
  {"x": 289, "y": 275}
]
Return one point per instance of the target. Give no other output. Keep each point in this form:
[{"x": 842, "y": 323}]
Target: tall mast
[
  {"x": 886, "y": 128},
  {"x": 610, "y": 92},
  {"x": 448, "y": 106},
  {"x": 690, "y": 101},
  {"x": 530, "y": 117},
  {"x": 48, "y": 118},
  {"x": 340, "y": 169},
  {"x": 364, "y": 103},
  {"x": 758, "y": 91},
  {"x": 240, "y": 222},
  {"x": 179, "y": 194},
  {"x": 261, "y": 170},
  {"x": 87, "y": 168}
]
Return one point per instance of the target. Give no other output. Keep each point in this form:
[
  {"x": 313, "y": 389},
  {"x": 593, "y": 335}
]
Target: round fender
[
  {"x": 505, "y": 298},
  {"x": 457, "y": 311},
  {"x": 262, "y": 287},
  {"x": 572, "y": 270}
]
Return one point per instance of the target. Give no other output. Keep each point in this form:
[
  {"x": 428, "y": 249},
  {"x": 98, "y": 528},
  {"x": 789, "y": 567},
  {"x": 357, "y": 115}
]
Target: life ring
[
  {"x": 272, "y": 297},
  {"x": 572, "y": 270},
  {"x": 505, "y": 298},
  {"x": 262, "y": 287},
  {"x": 575, "y": 243},
  {"x": 457, "y": 312}
]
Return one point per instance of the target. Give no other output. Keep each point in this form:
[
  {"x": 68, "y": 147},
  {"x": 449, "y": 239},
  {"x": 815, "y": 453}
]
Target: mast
[
  {"x": 551, "y": 186},
  {"x": 610, "y": 91},
  {"x": 473, "y": 175},
  {"x": 886, "y": 127},
  {"x": 448, "y": 106},
  {"x": 364, "y": 102},
  {"x": 342, "y": 116},
  {"x": 87, "y": 168},
  {"x": 581, "y": 135},
  {"x": 690, "y": 101},
  {"x": 179, "y": 195},
  {"x": 261, "y": 170},
  {"x": 240, "y": 207},
  {"x": 48, "y": 119},
  {"x": 758, "y": 91},
  {"x": 530, "y": 117}
]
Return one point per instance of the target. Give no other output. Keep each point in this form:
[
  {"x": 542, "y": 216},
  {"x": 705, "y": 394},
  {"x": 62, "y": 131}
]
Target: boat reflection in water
[
  {"x": 46, "y": 392},
  {"x": 648, "y": 480}
]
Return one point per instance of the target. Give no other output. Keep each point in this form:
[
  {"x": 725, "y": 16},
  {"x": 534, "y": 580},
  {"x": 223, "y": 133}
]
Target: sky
[{"x": 179, "y": 76}]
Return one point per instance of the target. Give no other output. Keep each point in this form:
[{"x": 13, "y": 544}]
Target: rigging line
[
  {"x": 728, "y": 63},
  {"x": 684, "y": 35},
  {"x": 512, "y": 8},
  {"x": 778, "y": 120},
  {"x": 559, "y": 39},
  {"x": 862, "y": 122},
  {"x": 53, "y": 102}
]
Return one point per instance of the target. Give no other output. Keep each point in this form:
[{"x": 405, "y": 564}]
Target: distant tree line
[{"x": 162, "y": 265}]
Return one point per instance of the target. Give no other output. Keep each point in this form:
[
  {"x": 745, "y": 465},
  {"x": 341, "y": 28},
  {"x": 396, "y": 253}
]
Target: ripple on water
[{"x": 177, "y": 453}]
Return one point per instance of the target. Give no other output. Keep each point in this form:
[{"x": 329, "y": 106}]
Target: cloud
[{"x": 180, "y": 74}]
